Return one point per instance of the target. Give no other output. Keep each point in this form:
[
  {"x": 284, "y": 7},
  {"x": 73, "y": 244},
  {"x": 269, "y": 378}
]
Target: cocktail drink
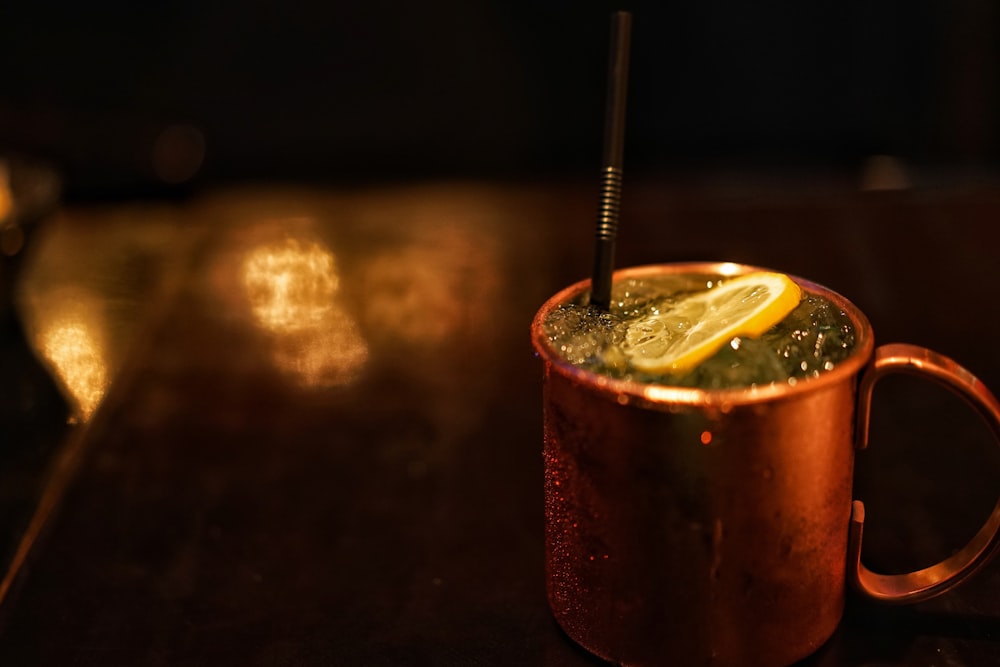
[
  {"x": 650, "y": 314},
  {"x": 700, "y": 423},
  {"x": 699, "y": 441}
]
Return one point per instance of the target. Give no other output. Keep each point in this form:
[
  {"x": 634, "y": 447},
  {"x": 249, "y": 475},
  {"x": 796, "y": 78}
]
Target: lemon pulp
[{"x": 692, "y": 330}]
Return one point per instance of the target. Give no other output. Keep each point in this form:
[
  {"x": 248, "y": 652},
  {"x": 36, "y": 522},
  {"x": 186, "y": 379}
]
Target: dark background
[{"x": 274, "y": 89}]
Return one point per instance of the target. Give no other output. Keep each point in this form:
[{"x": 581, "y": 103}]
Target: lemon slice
[{"x": 678, "y": 339}]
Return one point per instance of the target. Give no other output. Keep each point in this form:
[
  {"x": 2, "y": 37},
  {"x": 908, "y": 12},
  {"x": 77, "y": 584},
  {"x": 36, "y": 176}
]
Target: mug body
[{"x": 695, "y": 527}]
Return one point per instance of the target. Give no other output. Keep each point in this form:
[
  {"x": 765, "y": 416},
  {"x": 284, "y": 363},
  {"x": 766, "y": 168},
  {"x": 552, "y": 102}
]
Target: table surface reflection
[{"x": 301, "y": 425}]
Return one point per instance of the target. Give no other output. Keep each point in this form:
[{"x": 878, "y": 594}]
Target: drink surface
[{"x": 815, "y": 337}]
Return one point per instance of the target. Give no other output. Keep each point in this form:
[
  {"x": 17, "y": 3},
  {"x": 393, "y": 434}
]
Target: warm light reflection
[
  {"x": 409, "y": 296},
  {"x": 291, "y": 287},
  {"x": 429, "y": 291},
  {"x": 72, "y": 344},
  {"x": 330, "y": 354}
]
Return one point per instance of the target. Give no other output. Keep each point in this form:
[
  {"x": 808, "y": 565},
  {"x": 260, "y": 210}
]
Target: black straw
[{"x": 614, "y": 150}]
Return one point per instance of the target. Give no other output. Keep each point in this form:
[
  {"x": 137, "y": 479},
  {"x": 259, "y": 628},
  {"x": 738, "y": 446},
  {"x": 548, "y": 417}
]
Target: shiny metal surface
[
  {"x": 664, "y": 546},
  {"x": 935, "y": 579},
  {"x": 664, "y": 550}
]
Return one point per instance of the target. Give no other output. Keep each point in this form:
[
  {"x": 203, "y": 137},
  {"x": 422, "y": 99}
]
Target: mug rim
[{"x": 659, "y": 396}]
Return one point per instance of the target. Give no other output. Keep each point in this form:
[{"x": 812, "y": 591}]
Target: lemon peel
[{"x": 696, "y": 327}]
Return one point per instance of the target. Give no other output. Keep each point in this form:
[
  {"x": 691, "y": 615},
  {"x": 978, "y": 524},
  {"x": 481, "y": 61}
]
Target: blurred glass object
[
  {"x": 6, "y": 199},
  {"x": 90, "y": 281},
  {"x": 11, "y": 236},
  {"x": 72, "y": 342},
  {"x": 29, "y": 192}
]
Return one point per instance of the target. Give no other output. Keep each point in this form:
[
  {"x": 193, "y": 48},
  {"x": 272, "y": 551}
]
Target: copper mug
[{"x": 717, "y": 527}]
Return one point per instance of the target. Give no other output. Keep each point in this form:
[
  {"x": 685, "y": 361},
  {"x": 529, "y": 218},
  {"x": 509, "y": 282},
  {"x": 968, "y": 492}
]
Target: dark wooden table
[{"x": 301, "y": 425}]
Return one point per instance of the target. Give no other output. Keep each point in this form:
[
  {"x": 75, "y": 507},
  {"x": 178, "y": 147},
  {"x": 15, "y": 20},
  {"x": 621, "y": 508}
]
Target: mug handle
[{"x": 936, "y": 579}]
